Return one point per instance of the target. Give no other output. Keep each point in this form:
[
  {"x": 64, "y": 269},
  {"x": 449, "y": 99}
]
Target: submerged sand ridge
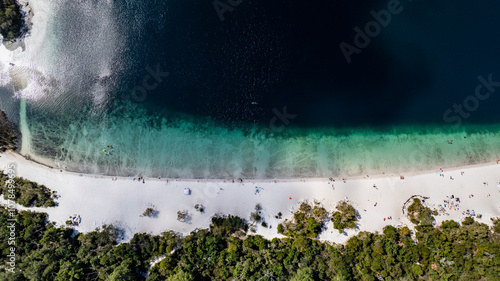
[{"x": 121, "y": 201}]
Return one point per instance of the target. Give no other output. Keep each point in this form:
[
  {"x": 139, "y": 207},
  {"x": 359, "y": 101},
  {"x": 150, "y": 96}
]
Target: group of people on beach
[
  {"x": 140, "y": 178},
  {"x": 344, "y": 180},
  {"x": 258, "y": 189},
  {"x": 331, "y": 181},
  {"x": 471, "y": 213},
  {"x": 240, "y": 180},
  {"x": 451, "y": 178},
  {"x": 452, "y": 203},
  {"x": 76, "y": 220}
]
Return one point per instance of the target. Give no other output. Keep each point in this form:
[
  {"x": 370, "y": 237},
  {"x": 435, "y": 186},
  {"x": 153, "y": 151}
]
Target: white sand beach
[{"x": 121, "y": 201}]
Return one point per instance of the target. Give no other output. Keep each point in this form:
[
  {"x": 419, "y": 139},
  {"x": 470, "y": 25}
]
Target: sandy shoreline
[
  {"x": 35, "y": 161},
  {"x": 121, "y": 200}
]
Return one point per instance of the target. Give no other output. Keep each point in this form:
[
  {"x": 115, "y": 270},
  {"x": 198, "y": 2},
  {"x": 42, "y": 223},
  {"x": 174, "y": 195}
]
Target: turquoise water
[
  {"x": 189, "y": 148},
  {"x": 217, "y": 112}
]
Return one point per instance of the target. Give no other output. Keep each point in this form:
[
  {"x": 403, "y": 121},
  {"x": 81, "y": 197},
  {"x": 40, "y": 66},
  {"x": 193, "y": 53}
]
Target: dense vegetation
[
  {"x": 308, "y": 221},
  {"x": 8, "y": 133},
  {"x": 225, "y": 252},
  {"x": 27, "y": 193},
  {"x": 344, "y": 217},
  {"x": 419, "y": 214},
  {"x": 11, "y": 20}
]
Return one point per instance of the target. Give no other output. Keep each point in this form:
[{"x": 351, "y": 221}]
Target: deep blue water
[{"x": 286, "y": 53}]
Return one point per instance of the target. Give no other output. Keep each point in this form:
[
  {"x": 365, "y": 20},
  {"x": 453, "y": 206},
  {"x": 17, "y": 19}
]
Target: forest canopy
[
  {"x": 225, "y": 251},
  {"x": 25, "y": 192},
  {"x": 11, "y": 20},
  {"x": 9, "y": 134}
]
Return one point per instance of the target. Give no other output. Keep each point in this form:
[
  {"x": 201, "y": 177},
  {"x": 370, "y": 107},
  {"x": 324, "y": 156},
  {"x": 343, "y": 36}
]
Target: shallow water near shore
[
  {"x": 266, "y": 93},
  {"x": 188, "y": 148}
]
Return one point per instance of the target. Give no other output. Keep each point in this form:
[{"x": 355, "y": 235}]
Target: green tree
[
  {"x": 181, "y": 276},
  {"x": 123, "y": 272},
  {"x": 496, "y": 225},
  {"x": 468, "y": 221},
  {"x": 345, "y": 217},
  {"x": 70, "y": 271},
  {"x": 391, "y": 232},
  {"x": 304, "y": 274},
  {"x": 417, "y": 270}
]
